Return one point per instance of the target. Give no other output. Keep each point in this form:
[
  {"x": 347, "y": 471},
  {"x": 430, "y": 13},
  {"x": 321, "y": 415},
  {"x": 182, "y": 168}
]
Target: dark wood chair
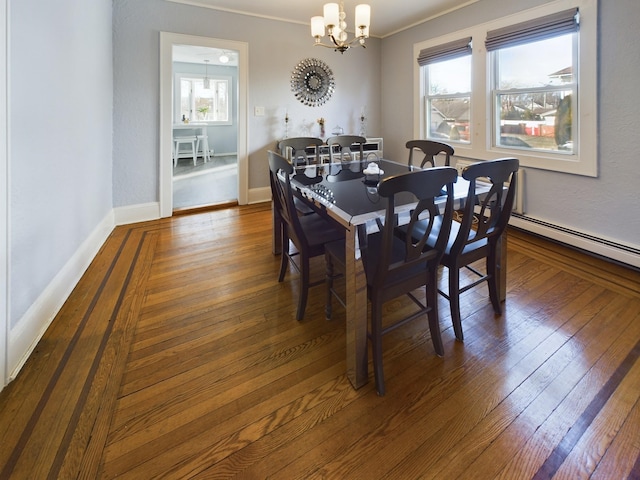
[
  {"x": 308, "y": 233},
  {"x": 471, "y": 240},
  {"x": 395, "y": 266},
  {"x": 431, "y": 150},
  {"x": 341, "y": 147},
  {"x": 295, "y": 149}
]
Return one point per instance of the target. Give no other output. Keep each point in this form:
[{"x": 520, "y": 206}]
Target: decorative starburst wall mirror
[{"x": 312, "y": 82}]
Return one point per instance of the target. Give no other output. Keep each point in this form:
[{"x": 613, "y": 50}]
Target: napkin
[{"x": 373, "y": 169}]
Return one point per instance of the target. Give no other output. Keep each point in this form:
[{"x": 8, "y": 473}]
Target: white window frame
[
  {"x": 177, "y": 96},
  {"x": 584, "y": 159}
]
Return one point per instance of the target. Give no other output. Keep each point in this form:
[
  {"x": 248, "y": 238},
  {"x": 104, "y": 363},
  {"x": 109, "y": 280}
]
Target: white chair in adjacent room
[
  {"x": 203, "y": 143},
  {"x": 187, "y": 140}
]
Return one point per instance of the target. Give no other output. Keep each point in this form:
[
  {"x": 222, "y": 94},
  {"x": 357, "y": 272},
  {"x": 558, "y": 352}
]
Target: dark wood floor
[{"x": 178, "y": 356}]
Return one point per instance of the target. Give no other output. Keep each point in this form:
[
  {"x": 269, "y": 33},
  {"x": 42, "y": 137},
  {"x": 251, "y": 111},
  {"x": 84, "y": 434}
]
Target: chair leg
[
  {"x": 376, "y": 345},
  {"x": 493, "y": 280},
  {"x": 329, "y": 286},
  {"x": 304, "y": 286},
  {"x": 454, "y": 301},
  {"x": 432, "y": 316},
  {"x": 284, "y": 253}
]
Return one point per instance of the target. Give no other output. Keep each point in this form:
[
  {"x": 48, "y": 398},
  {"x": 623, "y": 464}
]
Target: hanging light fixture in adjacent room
[
  {"x": 206, "y": 77},
  {"x": 224, "y": 58},
  {"x": 334, "y": 21}
]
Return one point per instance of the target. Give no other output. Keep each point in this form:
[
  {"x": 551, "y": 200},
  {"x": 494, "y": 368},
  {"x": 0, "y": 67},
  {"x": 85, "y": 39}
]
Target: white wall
[
  {"x": 4, "y": 197},
  {"x": 274, "y": 50},
  {"x": 605, "y": 207},
  {"x": 60, "y": 151}
]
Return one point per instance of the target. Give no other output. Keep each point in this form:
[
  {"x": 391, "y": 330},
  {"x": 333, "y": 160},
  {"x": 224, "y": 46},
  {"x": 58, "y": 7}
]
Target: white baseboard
[
  {"x": 137, "y": 213},
  {"x": 29, "y": 329},
  {"x": 259, "y": 195},
  {"x": 627, "y": 254}
]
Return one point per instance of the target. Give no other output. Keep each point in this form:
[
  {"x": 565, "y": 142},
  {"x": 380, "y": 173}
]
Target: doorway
[
  {"x": 202, "y": 48},
  {"x": 205, "y": 127}
]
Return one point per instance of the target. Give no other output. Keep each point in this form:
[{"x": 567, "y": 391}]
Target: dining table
[{"x": 345, "y": 193}]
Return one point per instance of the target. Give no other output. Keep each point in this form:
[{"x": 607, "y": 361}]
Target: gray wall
[
  {"x": 60, "y": 117},
  {"x": 275, "y": 48},
  {"x": 607, "y": 206}
]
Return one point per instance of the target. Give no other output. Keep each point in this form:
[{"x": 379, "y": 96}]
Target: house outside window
[{"x": 527, "y": 88}]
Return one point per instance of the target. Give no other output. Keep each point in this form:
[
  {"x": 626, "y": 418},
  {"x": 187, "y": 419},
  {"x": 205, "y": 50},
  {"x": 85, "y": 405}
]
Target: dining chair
[
  {"x": 295, "y": 149},
  {"x": 341, "y": 146},
  {"x": 431, "y": 150},
  {"x": 394, "y": 266},
  {"x": 477, "y": 236},
  {"x": 308, "y": 233}
]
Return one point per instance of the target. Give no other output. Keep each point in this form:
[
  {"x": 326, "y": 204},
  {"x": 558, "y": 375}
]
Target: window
[
  {"x": 527, "y": 89},
  {"x": 533, "y": 83},
  {"x": 447, "y": 78},
  {"x": 201, "y": 104}
]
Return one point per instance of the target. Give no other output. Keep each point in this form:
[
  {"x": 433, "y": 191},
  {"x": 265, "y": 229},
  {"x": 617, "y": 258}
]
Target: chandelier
[{"x": 334, "y": 21}]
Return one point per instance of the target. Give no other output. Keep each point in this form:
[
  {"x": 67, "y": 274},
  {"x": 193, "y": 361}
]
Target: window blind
[
  {"x": 446, "y": 51},
  {"x": 533, "y": 30}
]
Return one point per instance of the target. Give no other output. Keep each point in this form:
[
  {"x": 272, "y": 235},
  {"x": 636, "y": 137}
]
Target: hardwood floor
[{"x": 178, "y": 356}]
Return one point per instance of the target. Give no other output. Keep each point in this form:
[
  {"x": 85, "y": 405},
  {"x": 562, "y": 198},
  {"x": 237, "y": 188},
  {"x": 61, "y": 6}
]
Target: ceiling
[{"x": 387, "y": 16}]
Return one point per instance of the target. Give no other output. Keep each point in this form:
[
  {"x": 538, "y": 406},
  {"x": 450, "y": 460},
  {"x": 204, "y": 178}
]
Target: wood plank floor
[{"x": 178, "y": 356}]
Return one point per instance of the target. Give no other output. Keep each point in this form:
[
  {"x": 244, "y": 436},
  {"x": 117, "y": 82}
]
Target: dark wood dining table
[{"x": 344, "y": 193}]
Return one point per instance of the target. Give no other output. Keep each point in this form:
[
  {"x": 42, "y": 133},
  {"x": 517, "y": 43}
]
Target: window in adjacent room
[{"x": 200, "y": 104}]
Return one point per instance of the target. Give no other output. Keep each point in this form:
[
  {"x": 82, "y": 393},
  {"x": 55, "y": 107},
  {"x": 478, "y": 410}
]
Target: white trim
[
  {"x": 260, "y": 195},
  {"x": 136, "y": 213},
  {"x": 585, "y": 162},
  {"x": 4, "y": 196},
  {"x": 167, "y": 40},
  {"x": 31, "y": 327}
]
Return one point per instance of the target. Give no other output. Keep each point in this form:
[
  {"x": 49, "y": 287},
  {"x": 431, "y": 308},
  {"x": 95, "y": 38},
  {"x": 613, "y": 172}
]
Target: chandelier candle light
[{"x": 334, "y": 21}]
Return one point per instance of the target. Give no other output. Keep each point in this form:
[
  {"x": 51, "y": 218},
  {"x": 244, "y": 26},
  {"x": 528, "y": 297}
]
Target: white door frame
[{"x": 167, "y": 40}]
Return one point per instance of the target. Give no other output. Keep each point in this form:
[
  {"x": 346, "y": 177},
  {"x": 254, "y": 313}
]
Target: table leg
[{"x": 356, "y": 293}]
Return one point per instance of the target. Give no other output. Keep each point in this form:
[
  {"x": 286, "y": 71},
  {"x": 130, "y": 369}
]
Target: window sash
[{"x": 542, "y": 28}]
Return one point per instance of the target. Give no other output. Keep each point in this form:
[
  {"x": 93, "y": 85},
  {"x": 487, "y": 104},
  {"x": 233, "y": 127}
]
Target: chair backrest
[
  {"x": 416, "y": 255},
  {"x": 294, "y": 149},
  {"x": 430, "y": 149},
  {"x": 341, "y": 145},
  {"x": 492, "y": 209},
  {"x": 280, "y": 171}
]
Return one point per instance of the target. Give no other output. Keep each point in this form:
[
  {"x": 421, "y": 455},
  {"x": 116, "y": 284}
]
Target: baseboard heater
[{"x": 609, "y": 249}]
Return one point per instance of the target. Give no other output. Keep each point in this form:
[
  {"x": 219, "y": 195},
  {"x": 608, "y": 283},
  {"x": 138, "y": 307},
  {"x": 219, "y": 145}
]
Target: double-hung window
[
  {"x": 527, "y": 88},
  {"x": 533, "y": 86},
  {"x": 204, "y": 99},
  {"x": 447, "y": 80}
]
